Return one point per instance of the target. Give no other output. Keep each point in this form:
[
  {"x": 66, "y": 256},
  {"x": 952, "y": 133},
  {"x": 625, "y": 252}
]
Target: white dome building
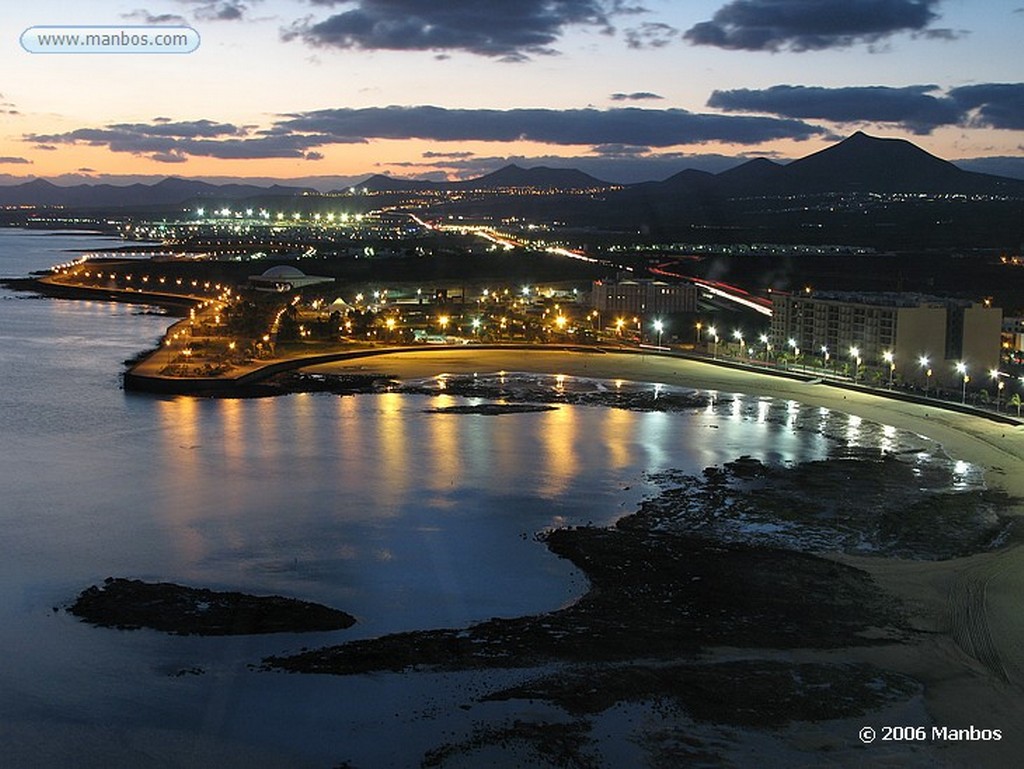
[{"x": 283, "y": 278}]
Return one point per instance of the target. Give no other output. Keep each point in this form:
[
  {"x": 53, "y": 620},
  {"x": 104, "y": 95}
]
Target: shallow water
[{"x": 406, "y": 519}]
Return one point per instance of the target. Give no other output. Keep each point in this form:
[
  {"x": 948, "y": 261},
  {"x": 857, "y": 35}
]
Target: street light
[
  {"x": 923, "y": 363},
  {"x": 961, "y": 369},
  {"x": 699, "y": 327},
  {"x": 824, "y": 357},
  {"x": 714, "y": 332},
  {"x": 855, "y": 354},
  {"x": 659, "y": 327},
  {"x": 1000, "y": 384},
  {"x": 738, "y": 336},
  {"x": 889, "y": 358}
]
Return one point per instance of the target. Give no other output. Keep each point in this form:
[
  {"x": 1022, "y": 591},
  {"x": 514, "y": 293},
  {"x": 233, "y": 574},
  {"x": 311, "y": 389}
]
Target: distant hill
[
  {"x": 860, "y": 163},
  {"x": 869, "y": 164},
  {"x": 383, "y": 183},
  {"x": 821, "y": 195},
  {"x": 508, "y": 177},
  {"x": 167, "y": 192},
  {"x": 538, "y": 178}
]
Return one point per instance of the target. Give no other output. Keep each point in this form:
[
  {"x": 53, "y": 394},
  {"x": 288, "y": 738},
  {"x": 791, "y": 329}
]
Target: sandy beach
[{"x": 972, "y": 663}]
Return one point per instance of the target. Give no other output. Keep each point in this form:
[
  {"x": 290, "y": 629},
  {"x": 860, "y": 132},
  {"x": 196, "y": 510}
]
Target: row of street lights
[{"x": 888, "y": 357}]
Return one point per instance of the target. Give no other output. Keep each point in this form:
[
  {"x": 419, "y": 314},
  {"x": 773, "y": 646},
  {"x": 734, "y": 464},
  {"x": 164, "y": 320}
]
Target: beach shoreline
[{"x": 971, "y": 658}]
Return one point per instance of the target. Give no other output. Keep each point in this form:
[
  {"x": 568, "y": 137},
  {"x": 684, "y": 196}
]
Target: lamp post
[
  {"x": 995, "y": 374},
  {"x": 855, "y": 354},
  {"x": 714, "y": 333},
  {"x": 824, "y": 357},
  {"x": 699, "y": 326},
  {"x": 738, "y": 336},
  {"x": 889, "y": 358},
  {"x": 659, "y": 327},
  {"x": 961, "y": 369},
  {"x": 923, "y": 363}
]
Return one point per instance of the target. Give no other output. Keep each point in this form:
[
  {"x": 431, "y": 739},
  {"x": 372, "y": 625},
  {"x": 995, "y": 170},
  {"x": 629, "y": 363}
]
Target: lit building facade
[
  {"x": 915, "y": 333},
  {"x": 642, "y": 297}
]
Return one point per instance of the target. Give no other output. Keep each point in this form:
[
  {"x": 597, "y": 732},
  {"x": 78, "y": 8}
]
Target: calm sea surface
[{"x": 404, "y": 518}]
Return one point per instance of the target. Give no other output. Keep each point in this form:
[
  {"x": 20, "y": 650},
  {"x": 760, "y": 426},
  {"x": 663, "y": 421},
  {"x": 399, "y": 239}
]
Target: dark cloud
[
  {"x": 993, "y": 105},
  {"x": 807, "y": 25},
  {"x": 169, "y": 157},
  {"x": 145, "y": 17},
  {"x": 620, "y": 150},
  {"x": 635, "y": 96},
  {"x": 174, "y": 142},
  {"x": 8, "y": 159},
  {"x": 218, "y": 10},
  {"x": 943, "y": 34},
  {"x": 651, "y": 35},
  {"x": 47, "y": 147},
  {"x": 313, "y": 156},
  {"x": 501, "y": 29},
  {"x": 655, "y": 128},
  {"x": 452, "y": 155},
  {"x": 918, "y": 108},
  {"x": 87, "y": 170},
  {"x": 187, "y": 128},
  {"x": 913, "y": 107}
]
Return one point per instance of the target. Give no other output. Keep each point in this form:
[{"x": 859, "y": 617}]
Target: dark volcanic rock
[
  {"x": 772, "y": 693},
  {"x": 131, "y": 604},
  {"x": 492, "y": 409},
  {"x": 889, "y": 507}
]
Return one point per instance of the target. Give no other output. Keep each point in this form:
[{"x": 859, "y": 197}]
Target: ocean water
[{"x": 404, "y": 518}]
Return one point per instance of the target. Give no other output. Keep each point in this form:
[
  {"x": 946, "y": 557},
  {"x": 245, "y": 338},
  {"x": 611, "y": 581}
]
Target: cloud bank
[
  {"x": 810, "y": 25},
  {"x": 298, "y": 135},
  {"x": 917, "y": 108},
  {"x": 503, "y": 29}
]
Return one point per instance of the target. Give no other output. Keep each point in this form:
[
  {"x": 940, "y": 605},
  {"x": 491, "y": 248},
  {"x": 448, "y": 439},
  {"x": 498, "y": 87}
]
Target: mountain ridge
[{"x": 859, "y": 163}]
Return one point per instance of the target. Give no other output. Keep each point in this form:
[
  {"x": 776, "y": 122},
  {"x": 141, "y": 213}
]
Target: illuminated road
[{"x": 725, "y": 291}]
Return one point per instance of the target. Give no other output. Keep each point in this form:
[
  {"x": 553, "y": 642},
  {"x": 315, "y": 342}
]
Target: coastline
[
  {"x": 972, "y": 661},
  {"x": 973, "y": 667}
]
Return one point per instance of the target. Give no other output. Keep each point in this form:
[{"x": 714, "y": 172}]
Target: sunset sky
[{"x": 623, "y": 89}]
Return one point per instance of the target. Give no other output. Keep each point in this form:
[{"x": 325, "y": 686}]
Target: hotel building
[{"x": 920, "y": 333}]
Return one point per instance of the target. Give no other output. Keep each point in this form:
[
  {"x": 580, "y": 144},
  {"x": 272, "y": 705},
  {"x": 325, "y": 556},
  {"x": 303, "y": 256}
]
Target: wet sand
[{"x": 972, "y": 663}]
